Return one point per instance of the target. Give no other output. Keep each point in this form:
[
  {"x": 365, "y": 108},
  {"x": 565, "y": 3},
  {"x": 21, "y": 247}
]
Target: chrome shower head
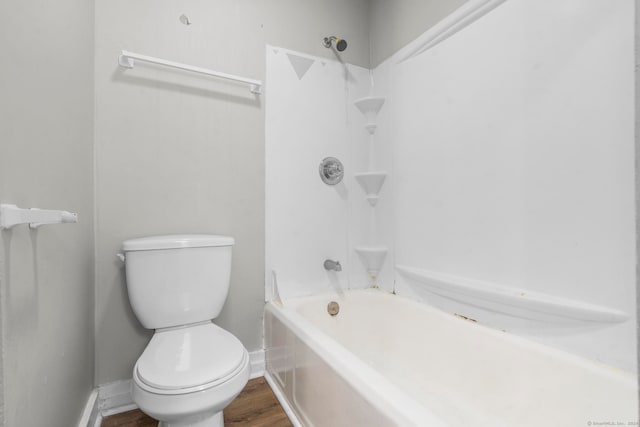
[{"x": 341, "y": 44}]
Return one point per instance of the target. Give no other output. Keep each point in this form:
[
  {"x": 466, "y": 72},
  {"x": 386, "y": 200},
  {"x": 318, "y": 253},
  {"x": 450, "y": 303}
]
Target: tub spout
[{"x": 331, "y": 265}]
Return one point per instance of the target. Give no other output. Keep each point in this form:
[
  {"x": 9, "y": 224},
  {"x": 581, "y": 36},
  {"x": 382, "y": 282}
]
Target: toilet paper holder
[{"x": 11, "y": 215}]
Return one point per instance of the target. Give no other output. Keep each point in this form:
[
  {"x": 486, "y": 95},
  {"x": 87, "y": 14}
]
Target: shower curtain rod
[{"x": 127, "y": 60}]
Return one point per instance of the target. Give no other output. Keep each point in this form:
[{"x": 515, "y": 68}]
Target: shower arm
[{"x": 341, "y": 44}]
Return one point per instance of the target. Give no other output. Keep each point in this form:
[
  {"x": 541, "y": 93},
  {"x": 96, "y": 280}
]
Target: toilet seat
[{"x": 189, "y": 359}]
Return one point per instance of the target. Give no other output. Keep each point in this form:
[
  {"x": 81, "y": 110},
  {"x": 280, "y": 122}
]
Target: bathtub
[{"x": 388, "y": 361}]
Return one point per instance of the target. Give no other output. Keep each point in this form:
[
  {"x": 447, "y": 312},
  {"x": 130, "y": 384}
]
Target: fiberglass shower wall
[
  {"x": 309, "y": 116},
  {"x": 507, "y": 135},
  {"x": 513, "y": 165}
]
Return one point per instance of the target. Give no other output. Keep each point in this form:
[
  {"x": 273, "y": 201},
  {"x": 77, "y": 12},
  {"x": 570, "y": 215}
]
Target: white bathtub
[{"x": 388, "y": 361}]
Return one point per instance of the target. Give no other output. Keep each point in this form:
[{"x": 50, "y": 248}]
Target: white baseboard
[
  {"x": 90, "y": 412},
  {"x": 97, "y": 422},
  {"x": 256, "y": 359},
  {"x": 115, "y": 398},
  {"x": 107, "y": 399},
  {"x": 283, "y": 400}
]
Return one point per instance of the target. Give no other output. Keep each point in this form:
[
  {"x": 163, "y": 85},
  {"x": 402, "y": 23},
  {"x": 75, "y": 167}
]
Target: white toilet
[{"x": 191, "y": 369}]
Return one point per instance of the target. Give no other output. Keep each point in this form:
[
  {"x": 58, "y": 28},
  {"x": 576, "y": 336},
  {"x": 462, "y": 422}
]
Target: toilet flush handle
[{"x": 121, "y": 256}]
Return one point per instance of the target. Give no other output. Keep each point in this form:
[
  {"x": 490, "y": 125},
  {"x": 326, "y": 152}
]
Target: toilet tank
[{"x": 178, "y": 279}]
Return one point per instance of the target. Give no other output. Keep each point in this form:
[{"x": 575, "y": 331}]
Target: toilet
[{"x": 191, "y": 369}]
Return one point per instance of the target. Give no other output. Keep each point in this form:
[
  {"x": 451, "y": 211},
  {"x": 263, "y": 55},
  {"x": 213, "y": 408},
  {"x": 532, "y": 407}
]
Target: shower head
[{"x": 341, "y": 44}]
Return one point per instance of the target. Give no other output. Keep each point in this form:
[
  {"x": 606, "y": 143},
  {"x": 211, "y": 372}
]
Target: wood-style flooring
[{"x": 256, "y": 406}]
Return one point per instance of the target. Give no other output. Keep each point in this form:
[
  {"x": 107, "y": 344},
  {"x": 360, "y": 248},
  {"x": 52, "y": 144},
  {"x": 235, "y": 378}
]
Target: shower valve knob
[{"x": 331, "y": 171}]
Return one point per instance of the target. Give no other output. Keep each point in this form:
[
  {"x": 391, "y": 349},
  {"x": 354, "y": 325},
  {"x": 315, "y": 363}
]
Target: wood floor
[{"x": 256, "y": 406}]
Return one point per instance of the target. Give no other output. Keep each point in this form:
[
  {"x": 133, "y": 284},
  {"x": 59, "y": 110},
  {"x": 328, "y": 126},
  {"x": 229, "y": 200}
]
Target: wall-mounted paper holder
[{"x": 11, "y": 215}]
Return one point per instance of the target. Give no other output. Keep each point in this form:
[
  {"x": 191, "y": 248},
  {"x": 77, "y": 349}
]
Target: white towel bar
[{"x": 126, "y": 59}]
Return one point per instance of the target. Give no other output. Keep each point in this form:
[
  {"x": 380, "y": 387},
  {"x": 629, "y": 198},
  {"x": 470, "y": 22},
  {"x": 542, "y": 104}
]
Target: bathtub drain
[{"x": 333, "y": 308}]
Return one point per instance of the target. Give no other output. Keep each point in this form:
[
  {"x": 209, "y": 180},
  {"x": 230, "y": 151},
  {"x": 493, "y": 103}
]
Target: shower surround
[{"x": 507, "y": 141}]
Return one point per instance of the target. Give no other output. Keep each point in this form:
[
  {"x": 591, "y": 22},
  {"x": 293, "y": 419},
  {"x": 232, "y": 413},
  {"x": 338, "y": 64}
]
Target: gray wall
[
  {"x": 46, "y": 161},
  {"x": 395, "y": 23},
  {"x": 637, "y": 159},
  {"x": 183, "y": 154}
]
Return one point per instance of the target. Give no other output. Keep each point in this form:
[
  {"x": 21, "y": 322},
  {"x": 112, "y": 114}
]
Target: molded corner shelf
[
  {"x": 372, "y": 257},
  {"x": 370, "y": 106},
  {"x": 371, "y": 183},
  {"x": 507, "y": 300}
]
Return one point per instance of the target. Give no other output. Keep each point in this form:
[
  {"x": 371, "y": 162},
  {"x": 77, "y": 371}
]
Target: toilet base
[{"x": 217, "y": 420}]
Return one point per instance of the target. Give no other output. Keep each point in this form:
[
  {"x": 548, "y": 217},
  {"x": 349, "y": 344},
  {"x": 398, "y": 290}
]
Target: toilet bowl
[{"x": 191, "y": 369}]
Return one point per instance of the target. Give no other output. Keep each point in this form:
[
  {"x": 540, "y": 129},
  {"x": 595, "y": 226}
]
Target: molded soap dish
[
  {"x": 372, "y": 257},
  {"x": 370, "y": 107},
  {"x": 371, "y": 182}
]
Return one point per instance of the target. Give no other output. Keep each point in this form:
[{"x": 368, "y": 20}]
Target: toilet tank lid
[{"x": 176, "y": 241}]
